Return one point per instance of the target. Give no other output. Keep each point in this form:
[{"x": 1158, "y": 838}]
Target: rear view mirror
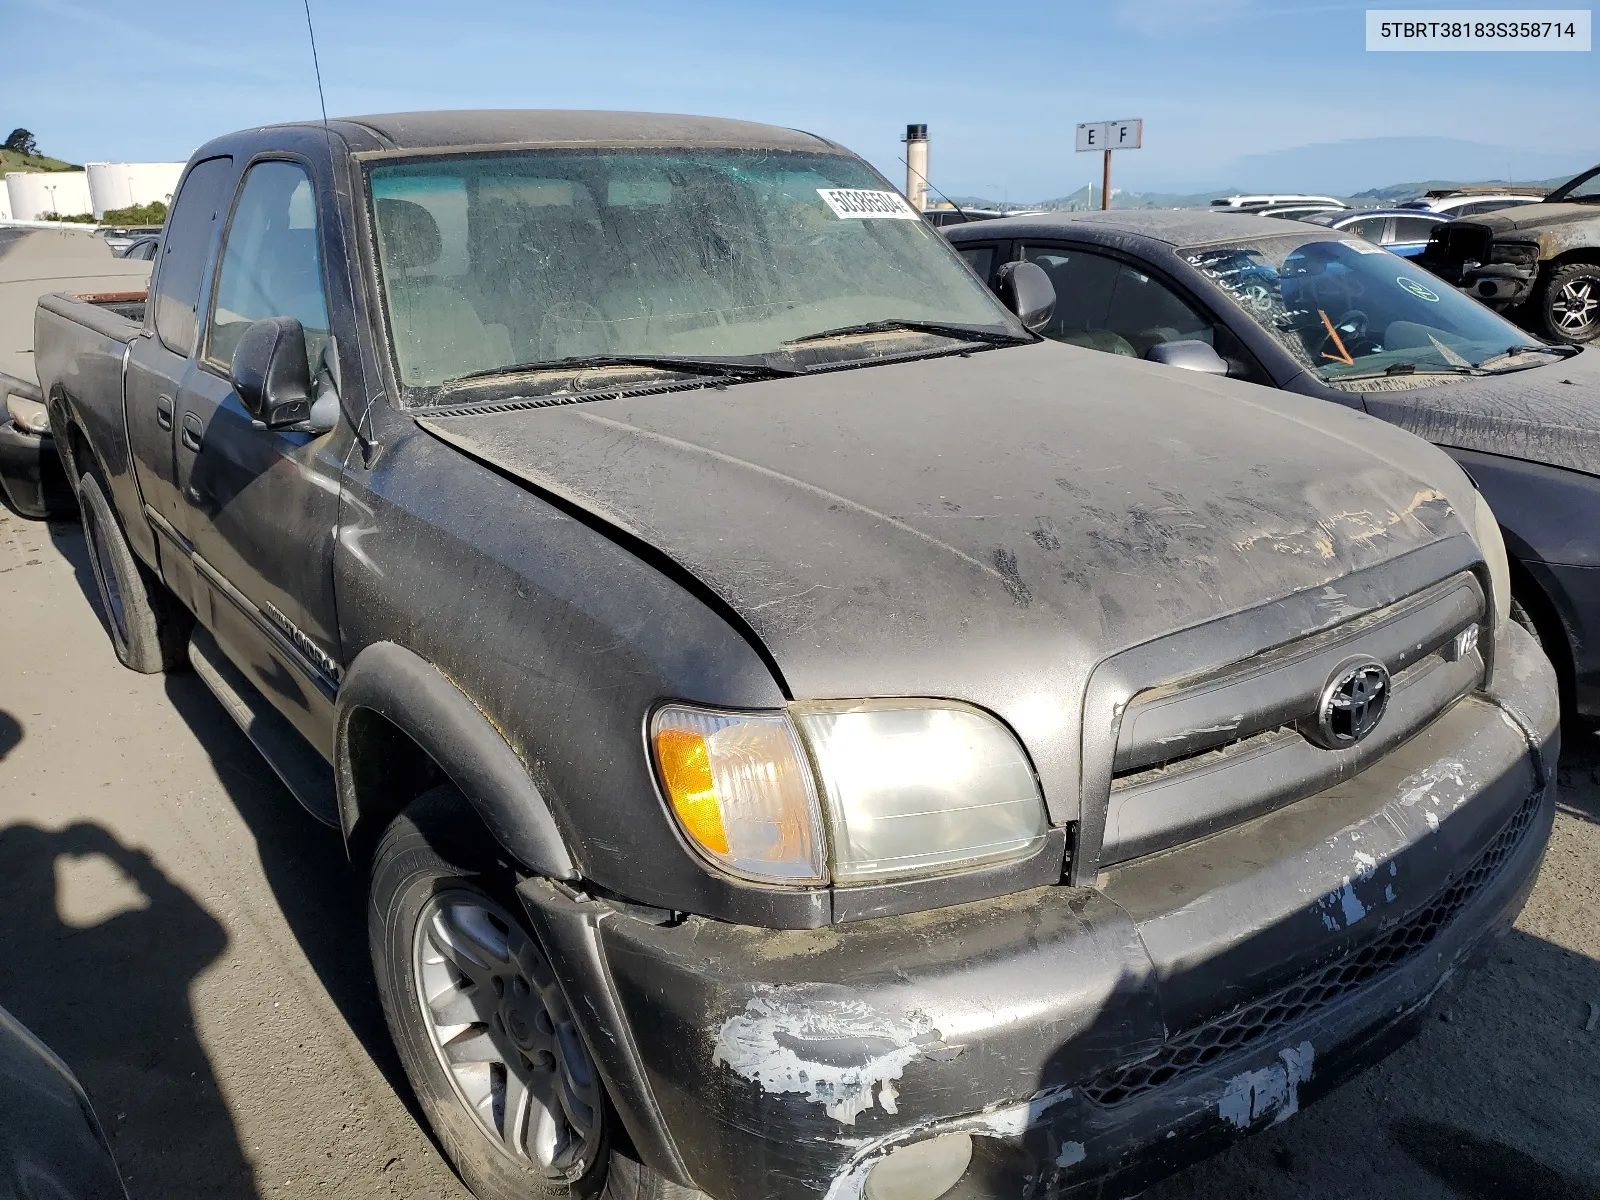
[
  {"x": 1026, "y": 290},
  {"x": 269, "y": 372},
  {"x": 1189, "y": 354}
]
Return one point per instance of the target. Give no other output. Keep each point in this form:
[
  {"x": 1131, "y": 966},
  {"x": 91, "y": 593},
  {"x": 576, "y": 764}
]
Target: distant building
[
  {"x": 127, "y": 185},
  {"x": 32, "y": 194}
]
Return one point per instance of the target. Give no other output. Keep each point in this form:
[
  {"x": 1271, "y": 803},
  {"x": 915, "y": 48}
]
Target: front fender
[{"x": 418, "y": 699}]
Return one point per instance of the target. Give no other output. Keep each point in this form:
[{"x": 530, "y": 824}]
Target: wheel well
[
  {"x": 387, "y": 769},
  {"x": 1584, "y": 254},
  {"x": 1552, "y": 630}
]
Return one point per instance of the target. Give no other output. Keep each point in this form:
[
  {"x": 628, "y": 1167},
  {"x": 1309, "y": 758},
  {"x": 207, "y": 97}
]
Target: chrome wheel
[
  {"x": 1576, "y": 307},
  {"x": 501, "y": 1030}
]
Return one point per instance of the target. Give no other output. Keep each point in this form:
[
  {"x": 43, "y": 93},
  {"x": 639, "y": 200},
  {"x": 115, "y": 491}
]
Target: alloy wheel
[
  {"x": 1576, "y": 307},
  {"x": 502, "y": 1033}
]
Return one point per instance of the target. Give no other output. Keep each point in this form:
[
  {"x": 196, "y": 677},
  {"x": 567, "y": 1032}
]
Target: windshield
[
  {"x": 539, "y": 257},
  {"x": 1349, "y": 309},
  {"x": 1584, "y": 187}
]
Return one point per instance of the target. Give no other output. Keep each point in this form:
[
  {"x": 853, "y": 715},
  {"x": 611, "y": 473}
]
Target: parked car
[
  {"x": 142, "y": 249},
  {"x": 1539, "y": 262},
  {"x": 35, "y": 261},
  {"x": 1473, "y": 201},
  {"x": 940, "y": 217},
  {"x": 1293, "y": 212},
  {"x": 807, "y": 735},
  {"x": 51, "y": 1143},
  {"x": 1398, "y": 230},
  {"x": 1308, "y": 311},
  {"x": 1246, "y": 203}
]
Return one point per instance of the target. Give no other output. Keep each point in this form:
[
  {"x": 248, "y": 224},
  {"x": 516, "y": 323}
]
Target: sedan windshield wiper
[
  {"x": 721, "y": 367},
  {"x": 1401, "y": 371},
  {"x": 949, "y": 329}
]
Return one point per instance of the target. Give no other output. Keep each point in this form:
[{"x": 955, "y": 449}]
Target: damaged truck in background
[{"x": 808, "y": 735}]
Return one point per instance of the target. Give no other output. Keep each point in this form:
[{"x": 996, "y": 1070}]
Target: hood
[
  {"x": 986, "y": 528},
  {"x": 1546, "y": 414},
  {"x": 1536, "y": 216}
]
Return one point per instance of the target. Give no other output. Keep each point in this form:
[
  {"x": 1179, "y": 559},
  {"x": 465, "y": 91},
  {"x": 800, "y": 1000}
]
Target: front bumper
[
  {"x": 1499, "y": 285},
  {"x": 31, "y": 474},
  {"x": 1091, "y": 1039}
]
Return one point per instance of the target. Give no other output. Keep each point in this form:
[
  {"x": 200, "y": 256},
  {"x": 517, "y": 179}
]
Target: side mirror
[
  {"x": 269, "y": 372},
  {"x": 1188, "y": 354},
  {"x": 1026, "y": 290}
]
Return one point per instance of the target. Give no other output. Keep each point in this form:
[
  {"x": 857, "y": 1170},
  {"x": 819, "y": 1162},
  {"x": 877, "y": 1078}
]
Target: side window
[
  {"x": 271, "y": 263},
  {"x": 1413, "y": 229},
  {"x": 1370, "y": 228},
  {"x": 185, "y": 246},
  {"x": 1105, "y": 304},
  {"x": 981, "y": 260}
]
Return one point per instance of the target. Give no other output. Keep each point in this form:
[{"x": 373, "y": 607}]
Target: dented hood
[{"x": 985, "y": 527}]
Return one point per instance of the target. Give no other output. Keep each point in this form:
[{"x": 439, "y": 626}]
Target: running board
[{"x": 304, "y": 772}]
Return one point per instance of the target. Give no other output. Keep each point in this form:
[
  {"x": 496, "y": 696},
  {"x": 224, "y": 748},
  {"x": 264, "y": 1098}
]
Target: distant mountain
[{"x": 1342, "y": 168}]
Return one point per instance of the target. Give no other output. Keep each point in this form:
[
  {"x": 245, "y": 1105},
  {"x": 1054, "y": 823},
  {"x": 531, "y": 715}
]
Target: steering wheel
[{"x": 1353, "y": 335}]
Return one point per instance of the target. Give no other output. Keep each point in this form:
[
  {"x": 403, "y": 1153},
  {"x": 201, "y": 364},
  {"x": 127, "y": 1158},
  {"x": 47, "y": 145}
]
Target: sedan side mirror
[
  {"x": 1026, "y": 290},
  {"x": 1189, "y": 354},
  {"x": 270, "y": 374}
]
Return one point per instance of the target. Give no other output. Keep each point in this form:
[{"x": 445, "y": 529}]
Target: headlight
[
  {"x": 907, "y": 788},
  {"x": 28, "y": 414},
  {"x": 1486, "y": 532}
]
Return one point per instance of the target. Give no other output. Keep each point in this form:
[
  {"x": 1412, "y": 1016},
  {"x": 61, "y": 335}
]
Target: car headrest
[{"x": 410, "y": 234}]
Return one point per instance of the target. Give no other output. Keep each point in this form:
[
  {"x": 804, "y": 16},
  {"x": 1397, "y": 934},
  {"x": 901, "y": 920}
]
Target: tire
[
  {"x": 1522, "y": 617},
  {"x": 1568, "y": 306},
  {"x": 149, "y": 628},
  {"x": 441, "y": 905}
]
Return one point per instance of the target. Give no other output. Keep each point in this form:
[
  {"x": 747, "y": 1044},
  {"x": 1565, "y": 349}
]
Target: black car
[{"x": 1335, "y": 317}]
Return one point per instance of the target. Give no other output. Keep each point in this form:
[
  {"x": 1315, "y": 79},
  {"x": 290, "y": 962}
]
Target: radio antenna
[
  {"x": 316, "y": 66},
  {"x": 929, "y": 185}
]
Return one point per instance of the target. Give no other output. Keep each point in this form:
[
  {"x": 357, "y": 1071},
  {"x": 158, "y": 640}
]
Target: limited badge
[
  {"x": 1419, "y": 290},
  {"x": 853, "y": 203}
]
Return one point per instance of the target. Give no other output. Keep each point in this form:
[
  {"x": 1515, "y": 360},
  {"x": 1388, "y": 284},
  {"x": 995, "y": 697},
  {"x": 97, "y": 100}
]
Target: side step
[{"x": 304, "y": 772}]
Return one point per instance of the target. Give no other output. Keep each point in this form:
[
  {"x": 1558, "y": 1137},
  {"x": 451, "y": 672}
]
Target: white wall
[
  {"x": 5, "y": 202},
  {"x": 123, "y": 185},
  {"x": 33, "y": 193}
]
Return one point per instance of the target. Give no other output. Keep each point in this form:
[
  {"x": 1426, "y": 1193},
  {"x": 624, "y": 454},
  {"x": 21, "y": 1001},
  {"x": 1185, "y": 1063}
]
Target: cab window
[{"x": 271, "y": 263}]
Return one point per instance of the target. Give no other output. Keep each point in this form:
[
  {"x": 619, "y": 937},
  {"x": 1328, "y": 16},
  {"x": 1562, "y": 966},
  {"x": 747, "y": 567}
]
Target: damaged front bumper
[{"x": 1088, "y": 1040}]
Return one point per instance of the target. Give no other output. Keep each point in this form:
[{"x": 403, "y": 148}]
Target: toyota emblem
[{"x": 1352, "y": 703}]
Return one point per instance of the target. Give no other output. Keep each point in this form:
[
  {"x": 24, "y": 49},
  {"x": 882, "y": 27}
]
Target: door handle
[
  {"x": 164, "y": 411},
  {"x": 192, "y": 429}
]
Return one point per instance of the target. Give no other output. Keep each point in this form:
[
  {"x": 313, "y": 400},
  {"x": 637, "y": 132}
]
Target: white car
[{"x": 1469, "y": 202}]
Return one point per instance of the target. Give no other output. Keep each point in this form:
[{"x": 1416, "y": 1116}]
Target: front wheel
[
  {"x": 481, "y": 1025},
  {"x": 1569, "y": 304}
]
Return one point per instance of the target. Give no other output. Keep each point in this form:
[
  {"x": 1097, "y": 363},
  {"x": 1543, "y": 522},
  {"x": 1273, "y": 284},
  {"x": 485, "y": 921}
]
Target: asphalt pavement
[{"x": 194, "y": 946}]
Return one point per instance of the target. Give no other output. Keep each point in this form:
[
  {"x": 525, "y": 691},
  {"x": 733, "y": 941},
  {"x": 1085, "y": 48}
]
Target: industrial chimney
[{"x": 917, "y": 166}]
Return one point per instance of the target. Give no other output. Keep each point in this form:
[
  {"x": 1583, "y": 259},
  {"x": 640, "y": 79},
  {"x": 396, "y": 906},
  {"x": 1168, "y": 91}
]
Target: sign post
[{"x": 1107, "y": 136}]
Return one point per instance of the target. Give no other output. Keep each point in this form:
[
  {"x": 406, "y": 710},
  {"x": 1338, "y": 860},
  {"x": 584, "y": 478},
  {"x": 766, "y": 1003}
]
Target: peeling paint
[
  {"x": 1272, "y": 1091},
  {"x": 833, "y": 1051},
  {"x": 1072, "y": 1153},
  {"x": 1420, "y": 786}
]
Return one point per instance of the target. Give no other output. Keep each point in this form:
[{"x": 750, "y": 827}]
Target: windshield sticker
[
  {"x": 1420, "y": 291},
  {"x": 1361, "y": 247},
  {"x": 852, "y": 203}
]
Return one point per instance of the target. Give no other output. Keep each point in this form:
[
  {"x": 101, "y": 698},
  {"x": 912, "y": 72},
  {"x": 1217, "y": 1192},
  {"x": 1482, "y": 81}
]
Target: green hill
[{"x": 10, "y": 160}]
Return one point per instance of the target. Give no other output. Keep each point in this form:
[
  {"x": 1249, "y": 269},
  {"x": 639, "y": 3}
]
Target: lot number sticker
[{"x": 858, "y": 202}]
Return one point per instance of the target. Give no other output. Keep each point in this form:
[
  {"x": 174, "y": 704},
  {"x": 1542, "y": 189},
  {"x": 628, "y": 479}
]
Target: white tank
[
  {"x": 34, "y": 193},
  {"x": 5, "y": 202},
  {"x": 124, "y": 185}
]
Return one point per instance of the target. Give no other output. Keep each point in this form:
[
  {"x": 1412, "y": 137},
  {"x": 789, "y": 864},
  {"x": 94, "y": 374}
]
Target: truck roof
[{"x": 521, "y": 127}]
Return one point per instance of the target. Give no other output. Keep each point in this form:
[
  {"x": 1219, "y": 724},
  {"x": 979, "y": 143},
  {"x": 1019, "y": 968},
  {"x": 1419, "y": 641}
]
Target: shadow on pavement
[
  {"x": 101, "y": 971},
  {"x": 10, "y": 733},
  {"x": 322, "y": 897},
  {"x": 1481, "y": 1168},
  {"x": 1580, "y": 769}
]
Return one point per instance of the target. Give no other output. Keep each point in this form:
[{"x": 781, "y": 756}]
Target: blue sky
[{"x": 1001, "y": 91}]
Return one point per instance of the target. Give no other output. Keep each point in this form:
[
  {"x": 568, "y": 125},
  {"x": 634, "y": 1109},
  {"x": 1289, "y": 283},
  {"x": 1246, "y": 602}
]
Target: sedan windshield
[
  {"x": 524, "y": 261},
  {"x": 1352, "y": 312}
]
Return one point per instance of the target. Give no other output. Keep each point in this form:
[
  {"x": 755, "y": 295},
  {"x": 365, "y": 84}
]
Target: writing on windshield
[{"x": 1346, "y": 309}]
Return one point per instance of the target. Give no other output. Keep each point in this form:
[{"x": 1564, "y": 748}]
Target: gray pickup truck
[{"x": 808, "y": 735}]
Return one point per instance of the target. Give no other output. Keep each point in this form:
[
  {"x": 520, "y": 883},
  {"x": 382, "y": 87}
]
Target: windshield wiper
[
  {"x": 964, "y": 333},
  {"x": 1401, "y": 371},
  {"x": 721, "y": 367},
  {"x": 1511, "y": 360}
]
